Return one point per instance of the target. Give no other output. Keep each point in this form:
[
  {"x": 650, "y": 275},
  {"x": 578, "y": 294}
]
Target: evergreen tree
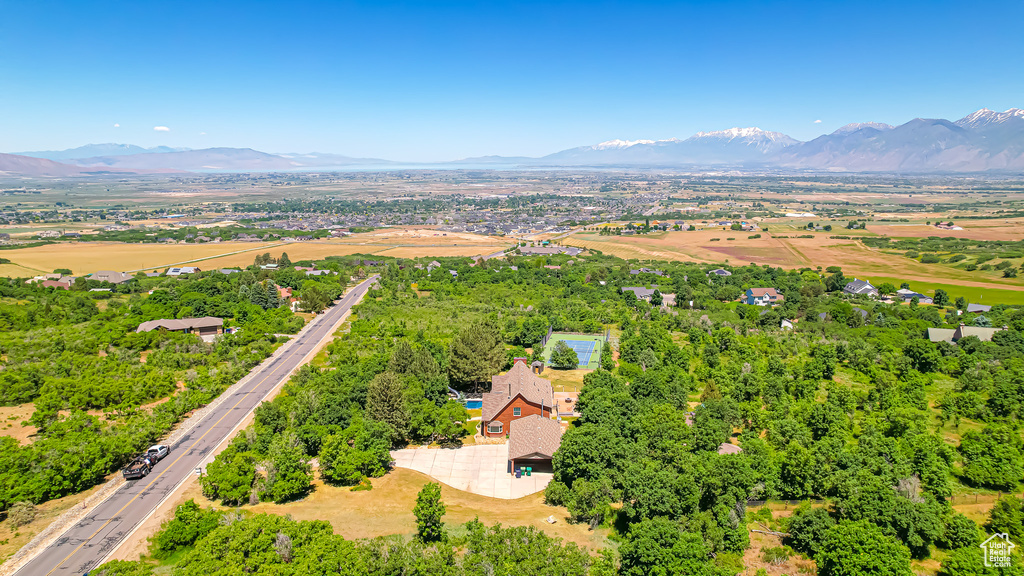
[
  {"x": 385, "y": 402},
  {"x": 429, "y": 511},
  {"x": 401, "y": 358},
  {"x": 477, "y": 353}
]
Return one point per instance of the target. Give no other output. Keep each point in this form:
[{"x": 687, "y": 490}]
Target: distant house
[
  {"x": 860, "y": 287},
  {"x": 952, "y": 335},
  {"x": 110, "y": 276},
  {"x": 641, "y": 292},
  {"x": 5, "y": 237},
  {"x": 729, "y": 448},
  {"x": 978, "y": 308},
  {"x": 433, "y": 264},
  {"x": 786, "y": 325},
  {"x": 72, "y": 235},
  {"x": 719, "y": 272},
  {"x": 764, "y": 297},
  {"x": 56, "y": 284},
  {"x": 532, "y": 441},
  {"x": 179, "y": 270},
  {"x": 228, "y": 271},
  {"x": 205, "y": 326},
  {"x": 318, "y": 272},
  {"x": 908, "y": 295},
  {"x": 549, "y": 250},
  {"x": 453, "y": 273},
  {"x": 515, "y": 394},
  {"x": 646, "y": 271},
  {"x": 268, "y": 266}
]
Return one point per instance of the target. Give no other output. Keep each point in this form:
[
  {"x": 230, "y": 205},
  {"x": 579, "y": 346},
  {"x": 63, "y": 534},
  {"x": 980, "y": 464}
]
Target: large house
[
  {"x": 205, "y": 326},
  {"x": 515, "y": 394},
  {"x": 111, "y": 276},
  {"x": 858, "y": 287},
  {"x": 952, "y": 335},
  {"x": 764, "y": 297},
  {"x": 641, "y": 292},
  {"x": 532, "y": 441},
  {"x": 907, "y": 295}
]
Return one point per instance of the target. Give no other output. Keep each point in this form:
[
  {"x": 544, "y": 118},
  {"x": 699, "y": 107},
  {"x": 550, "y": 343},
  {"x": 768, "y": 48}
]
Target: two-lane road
[{"x": 85, "y": 544}]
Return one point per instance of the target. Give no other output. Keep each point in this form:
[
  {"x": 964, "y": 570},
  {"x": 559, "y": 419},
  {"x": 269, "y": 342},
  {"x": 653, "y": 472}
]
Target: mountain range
[{"x": 984, "y": 141}]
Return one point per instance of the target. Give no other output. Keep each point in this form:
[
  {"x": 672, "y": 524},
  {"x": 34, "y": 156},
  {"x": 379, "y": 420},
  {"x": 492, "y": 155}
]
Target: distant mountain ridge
[
  {"x": 981, "y": 141},
  {"x": 92, "y": 150}
]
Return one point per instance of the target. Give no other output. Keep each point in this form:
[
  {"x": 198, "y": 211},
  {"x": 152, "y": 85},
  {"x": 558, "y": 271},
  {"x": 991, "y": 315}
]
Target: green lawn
[{"x": 973, "y": 294}]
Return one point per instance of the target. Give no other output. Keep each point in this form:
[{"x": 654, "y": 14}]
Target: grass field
[{"x": 579, "y": 343}]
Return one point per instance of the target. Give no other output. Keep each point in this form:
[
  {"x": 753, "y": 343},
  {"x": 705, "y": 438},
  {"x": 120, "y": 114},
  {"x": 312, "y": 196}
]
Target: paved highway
[{"x": 83, "y": 546}]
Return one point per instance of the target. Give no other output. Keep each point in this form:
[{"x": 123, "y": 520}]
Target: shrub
[
  {"x": 960, "y": 532},
  {"x": 775, "y": 556},
  {"x": 930, "y": 259},
  {"x": 556, "y": 494},
  {"x": 21, "y": 513}
]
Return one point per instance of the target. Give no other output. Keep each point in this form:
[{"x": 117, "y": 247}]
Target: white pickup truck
[{"x": 158, "y": 452}]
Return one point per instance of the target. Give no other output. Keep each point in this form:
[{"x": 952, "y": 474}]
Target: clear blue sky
[{"x": 444, "y": 80}]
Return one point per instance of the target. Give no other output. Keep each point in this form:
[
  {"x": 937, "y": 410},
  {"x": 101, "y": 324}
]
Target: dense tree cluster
[{"x": 72, "y": 352}]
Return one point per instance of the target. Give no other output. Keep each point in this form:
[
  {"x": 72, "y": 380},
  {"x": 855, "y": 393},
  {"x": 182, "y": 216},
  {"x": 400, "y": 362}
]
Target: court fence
[{"x": 546, "y": 338}]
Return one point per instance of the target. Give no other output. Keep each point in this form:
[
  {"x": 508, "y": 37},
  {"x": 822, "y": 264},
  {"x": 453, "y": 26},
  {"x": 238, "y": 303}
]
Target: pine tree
[
  {"x": 385, "y": 402},
  {"x": 402, "y": 358},
  {"x": 477, "y": 353}
]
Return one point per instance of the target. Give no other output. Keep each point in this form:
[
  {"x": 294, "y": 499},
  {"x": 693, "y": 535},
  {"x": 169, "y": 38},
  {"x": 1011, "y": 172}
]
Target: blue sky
[{"x": 444, "y": 80}]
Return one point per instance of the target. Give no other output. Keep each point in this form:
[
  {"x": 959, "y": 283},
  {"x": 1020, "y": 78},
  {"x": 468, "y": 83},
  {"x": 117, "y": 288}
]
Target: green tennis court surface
[{"x": 587, "y": 348}]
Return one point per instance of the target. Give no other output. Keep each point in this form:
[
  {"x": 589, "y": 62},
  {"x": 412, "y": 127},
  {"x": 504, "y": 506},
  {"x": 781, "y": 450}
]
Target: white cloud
[
  {"x": 117, "y": 125},
  {"x": 202, "y": 133},
  {"x": 161, "y": 128},
  {"x": 817, "y": 121}
]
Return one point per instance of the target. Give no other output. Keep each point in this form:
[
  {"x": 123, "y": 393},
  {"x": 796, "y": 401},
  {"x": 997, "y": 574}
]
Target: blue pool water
[{"x": 474, "y": 404}]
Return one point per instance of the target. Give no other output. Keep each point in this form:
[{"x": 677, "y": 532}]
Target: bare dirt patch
[{"x": 11, "y": 418}]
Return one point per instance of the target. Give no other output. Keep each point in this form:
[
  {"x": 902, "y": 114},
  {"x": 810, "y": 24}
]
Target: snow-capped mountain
[
  {"x": 985, "y": 117},
  {"x": 982, "y": 141},
  {"x": 733, "y": 146}
]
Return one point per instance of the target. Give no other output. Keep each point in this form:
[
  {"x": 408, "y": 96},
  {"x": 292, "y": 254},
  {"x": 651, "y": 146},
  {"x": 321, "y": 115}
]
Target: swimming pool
[{"x": 474, "y": 404}]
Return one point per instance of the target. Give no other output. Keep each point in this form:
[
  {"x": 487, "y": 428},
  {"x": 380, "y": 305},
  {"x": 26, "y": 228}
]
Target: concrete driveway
[{"x": 481, "y": 469}]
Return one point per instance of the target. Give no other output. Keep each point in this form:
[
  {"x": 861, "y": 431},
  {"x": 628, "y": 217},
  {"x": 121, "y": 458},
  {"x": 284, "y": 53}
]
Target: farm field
[
  {"x": 88, "y": 257},
  {"x": 855, "y": 259},
  {"x": 387, "y": 509},
  {"x": 1010, "y": 229}
]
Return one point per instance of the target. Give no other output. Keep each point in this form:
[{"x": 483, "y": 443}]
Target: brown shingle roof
[
  {"x": 727, "y": 448},
  {"x": 534, "y": 436},
  {"x": 182, "y": 324},
  {"x": 518, "y": 380}
]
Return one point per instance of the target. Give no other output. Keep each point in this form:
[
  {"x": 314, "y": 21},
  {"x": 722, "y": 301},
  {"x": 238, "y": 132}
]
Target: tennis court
[{"x": 587, "y": 348}]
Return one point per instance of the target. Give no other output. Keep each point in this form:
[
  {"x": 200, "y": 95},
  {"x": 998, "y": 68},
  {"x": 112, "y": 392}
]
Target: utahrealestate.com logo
[{"x": 997, "y": 551}]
